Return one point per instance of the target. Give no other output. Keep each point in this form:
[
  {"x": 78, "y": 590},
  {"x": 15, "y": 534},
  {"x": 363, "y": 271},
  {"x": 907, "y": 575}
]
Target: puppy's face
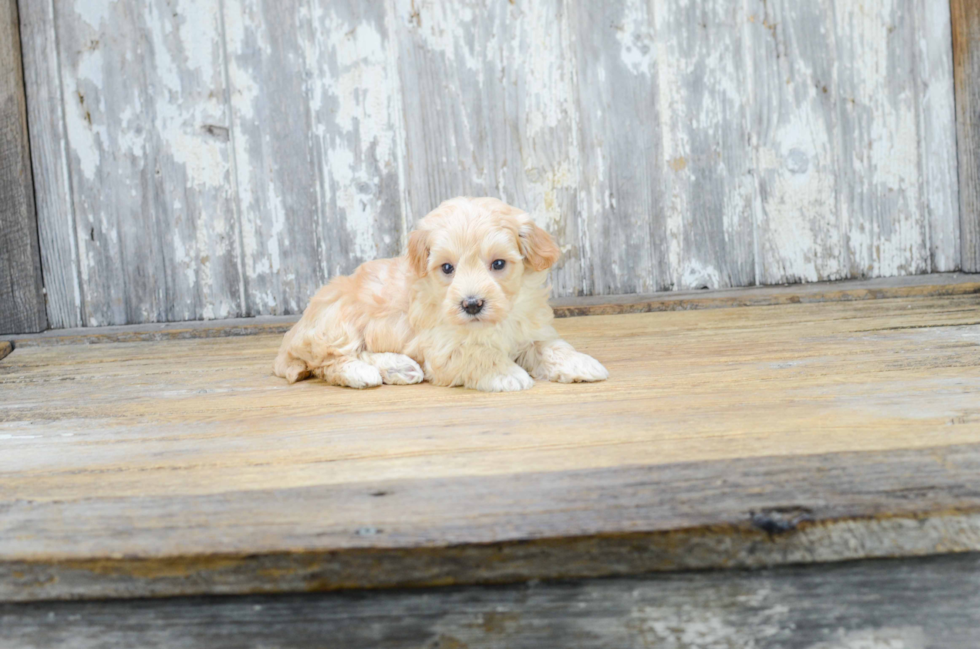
[{"x": 472, "y": 254}]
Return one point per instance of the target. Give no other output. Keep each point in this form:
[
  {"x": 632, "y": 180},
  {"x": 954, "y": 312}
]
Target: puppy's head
[{"x": 471, "y": 255}]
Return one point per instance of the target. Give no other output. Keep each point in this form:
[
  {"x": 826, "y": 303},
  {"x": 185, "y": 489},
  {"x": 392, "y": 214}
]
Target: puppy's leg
[
  {"x": 510, "y": 377},
  {"x": 556, "y": 360},
  {"x": 291, "y": 369},
  {"x": 348, "y": 372},
  {"x": 396, "y": 369},
  {"x": 478, "y": 368}
]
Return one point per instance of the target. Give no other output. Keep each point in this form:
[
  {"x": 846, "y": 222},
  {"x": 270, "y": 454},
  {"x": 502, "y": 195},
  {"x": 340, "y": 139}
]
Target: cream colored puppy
[{"x": 467, "y": 305}]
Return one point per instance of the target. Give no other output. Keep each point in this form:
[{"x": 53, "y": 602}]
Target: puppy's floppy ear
[
  {"x": 539, "y": 249},
  {"x": 418, "y": 251}
]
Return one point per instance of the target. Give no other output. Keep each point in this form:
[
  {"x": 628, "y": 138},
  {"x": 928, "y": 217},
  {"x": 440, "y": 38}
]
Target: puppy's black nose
[{"x": 472, "y": 305}]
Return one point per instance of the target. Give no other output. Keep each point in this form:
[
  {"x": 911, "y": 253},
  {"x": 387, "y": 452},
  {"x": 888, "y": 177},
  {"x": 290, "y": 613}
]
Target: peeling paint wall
[{"x": 220, "y": 158}]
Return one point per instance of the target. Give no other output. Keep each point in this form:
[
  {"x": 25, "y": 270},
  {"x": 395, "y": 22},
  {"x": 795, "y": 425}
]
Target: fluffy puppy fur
[{"x": 467, "y": 305}]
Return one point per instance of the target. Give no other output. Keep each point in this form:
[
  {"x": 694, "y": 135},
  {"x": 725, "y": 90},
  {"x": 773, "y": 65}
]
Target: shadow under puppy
[{"x": 466, "y": 306}]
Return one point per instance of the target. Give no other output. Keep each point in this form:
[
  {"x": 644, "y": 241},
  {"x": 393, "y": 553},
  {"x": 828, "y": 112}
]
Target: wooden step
[
  {"x": 930, "y": 602},
  {"x": 731, "y": 437}
]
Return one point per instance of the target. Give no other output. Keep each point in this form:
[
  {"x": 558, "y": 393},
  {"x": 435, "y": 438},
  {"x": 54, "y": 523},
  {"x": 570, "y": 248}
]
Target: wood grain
[
  {"x": 880, "y": 198},
  {"x": 313, "y": 95},
  {"x": 925, "y": 603},
  {"x": 794, "y": 125},
  {"x": 488, "y": 108},
  {"x": 622, "y": 207},
  {"x": 966, "y": 65},
  {"x": 149, "y": 160},
  {"x": 937, "y": 157},
  {"x": 49, "y": 156},
  {"x": 21, "y": 289},
  {"x": 667, "y": 145},
  {"x": 708, "y": 191},
  {"x": 183, "y": 467}
]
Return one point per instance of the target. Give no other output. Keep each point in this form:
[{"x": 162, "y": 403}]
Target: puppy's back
[{"x": 373, "y": 300}]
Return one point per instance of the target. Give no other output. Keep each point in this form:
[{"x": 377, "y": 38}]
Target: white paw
[
  {"x": 397, "y": 369},
  {"x": 358, "y": 374},
  {"x": 515, "y": 379},
  {"x": 577, "y": 368}
]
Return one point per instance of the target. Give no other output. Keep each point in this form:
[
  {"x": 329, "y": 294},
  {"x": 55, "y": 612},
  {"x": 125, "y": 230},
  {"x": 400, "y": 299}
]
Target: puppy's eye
[
  {"x": 448, "y": 269},
  {"x": 498, "y": 264}
]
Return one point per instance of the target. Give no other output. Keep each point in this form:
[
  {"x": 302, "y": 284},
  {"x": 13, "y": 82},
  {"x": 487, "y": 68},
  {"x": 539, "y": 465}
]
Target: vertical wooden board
[
  {"x": 622, "y": 207},
  {"x": 315, "y": 102},
  {"x": 82, "y": 50},
  {"x": 269, "y": 43},
  {"x": 708, "y": 187},
  {"x": 937, "y": 133},
  {"x": 489, "y": 109},
  {"x": 966, "y": 72},
  {"x": 21, "y": 290},
  {"x": 532, "y": 118},
  {"x": 352, "y": 82},
  {"x": 228, "y": 157},
  {"x": 55, "y": 213},
  {"x": 148, "y": 148},
  {"x": 883, "y": 220},
  {"x": 441, "y": 56},
  {"x": 792, "y": 62}
]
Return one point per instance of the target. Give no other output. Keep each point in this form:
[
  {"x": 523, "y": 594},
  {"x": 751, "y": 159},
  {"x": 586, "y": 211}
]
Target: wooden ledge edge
[
  {"x": 935, "y": 285},
  {"x": 747, "y": 545}
]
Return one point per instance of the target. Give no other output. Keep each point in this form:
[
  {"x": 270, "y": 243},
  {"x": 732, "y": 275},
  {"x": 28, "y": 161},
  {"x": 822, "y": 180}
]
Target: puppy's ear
[
  {"x": 418, "y": 251},
  {"x": 539, "y": 249}
]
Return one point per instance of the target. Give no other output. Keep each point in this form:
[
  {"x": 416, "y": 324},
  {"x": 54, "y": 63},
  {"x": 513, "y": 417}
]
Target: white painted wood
[
  {"x": 622, "y": 209},
  {"x": 488, "y": 96},
  {"x": 149, "y": 159},
  {"x": 314, "y": 102},
  {"x": 882, "y": 207},
  {"x": 707, "y": 183},
  {"x": 666, "y": 144},
  {"x": 49, "y": 159},
  {"x": 800, "y": 216},
  {"x": 937, "y": 128}
]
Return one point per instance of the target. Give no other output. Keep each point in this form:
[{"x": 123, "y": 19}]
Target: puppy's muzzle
[{"x": 471, "y": 305}]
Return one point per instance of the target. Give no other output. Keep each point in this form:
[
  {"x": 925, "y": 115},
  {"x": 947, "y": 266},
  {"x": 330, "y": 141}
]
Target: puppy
[{"x": 467, "y": 305}]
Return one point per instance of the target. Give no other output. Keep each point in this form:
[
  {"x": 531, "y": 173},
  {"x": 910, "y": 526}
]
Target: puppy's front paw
[
  {"x": 358, "y": 374},
  {"x": 397, "y": 369},
  {"x": 512, "y": 381},
  {"x": 577, "y": 367}
]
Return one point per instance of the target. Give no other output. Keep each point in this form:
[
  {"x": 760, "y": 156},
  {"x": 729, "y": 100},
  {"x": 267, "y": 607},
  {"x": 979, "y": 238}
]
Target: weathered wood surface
[
  {"x": 935, "y": 285},
  {"x": 21, "y": 290},
  {"x": 268, "y": 146},
  {"x": 931, "y": 603},
  {"x": 183, "y": 467},
  {"x": 938, "y": 162},
  {"x": 966, "y": 61},
  {"x": 146, "y": 119},
  {"x": 52, "y": 193}
]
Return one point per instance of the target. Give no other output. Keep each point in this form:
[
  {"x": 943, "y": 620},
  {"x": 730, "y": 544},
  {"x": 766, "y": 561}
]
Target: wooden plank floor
[
  {"x": 926, "y": 603},
  {"x": 729, "y": 437}
]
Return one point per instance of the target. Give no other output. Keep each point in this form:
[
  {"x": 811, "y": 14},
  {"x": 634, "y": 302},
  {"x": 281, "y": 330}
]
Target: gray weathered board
[
  {"x": 931, "y": 603},
  {"x": 21, "y": 292},
  {"x": 966, "y": 65},
  {"x": 221, "y": 158}
]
